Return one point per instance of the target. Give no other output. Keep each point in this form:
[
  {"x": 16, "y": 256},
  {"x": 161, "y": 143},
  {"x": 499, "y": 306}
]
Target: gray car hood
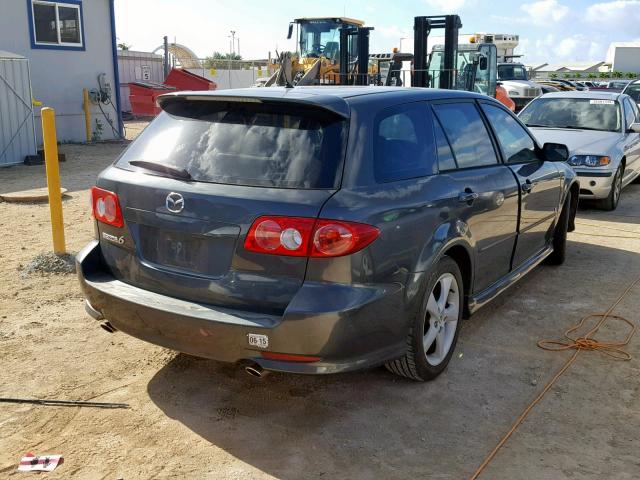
[{"x": 588, "y": 142}]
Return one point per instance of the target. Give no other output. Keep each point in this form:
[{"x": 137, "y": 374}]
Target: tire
[
  {"x": 611, "y": 202},
  {"x": 438, "y": 333},
  {"x": 559, "y": 241}
]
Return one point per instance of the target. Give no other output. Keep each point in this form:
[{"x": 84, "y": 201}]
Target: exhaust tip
[
  {"x": 108, "y": 327},
  {"x": 255, "y": 370}
]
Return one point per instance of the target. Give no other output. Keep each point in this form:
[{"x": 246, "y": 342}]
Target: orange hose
[{"x": 580, "y": 343}]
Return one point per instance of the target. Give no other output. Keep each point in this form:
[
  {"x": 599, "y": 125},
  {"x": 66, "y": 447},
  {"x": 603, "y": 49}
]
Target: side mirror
[
  {"x": 484, "y": 63},
  {"x": 290, "y": 31},
  {"x": 634, "y": 127},
  {"x": 555, "y": 152}
]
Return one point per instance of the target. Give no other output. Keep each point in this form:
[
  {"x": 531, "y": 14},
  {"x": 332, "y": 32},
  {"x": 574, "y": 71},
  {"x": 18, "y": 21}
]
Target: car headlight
[
  {"x": 588, "y": 161},
  {"x": 514, "y": 93}
]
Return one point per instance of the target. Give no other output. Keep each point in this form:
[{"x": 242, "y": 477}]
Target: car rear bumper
[
  {"x": 594, "y": 185},
  {"x": 346, "y": 326}
]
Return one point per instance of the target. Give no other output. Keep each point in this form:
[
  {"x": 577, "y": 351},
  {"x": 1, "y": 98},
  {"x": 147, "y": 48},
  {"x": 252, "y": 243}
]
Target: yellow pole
[
  {"x": 87, "y": 113},
  {"x": 53, "y": 177}
]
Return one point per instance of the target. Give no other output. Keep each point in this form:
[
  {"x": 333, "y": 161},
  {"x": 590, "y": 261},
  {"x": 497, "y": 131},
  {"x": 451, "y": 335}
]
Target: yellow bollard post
[
  {"x": 87, "y": 113},
  {"x": 53, "y": 177}
]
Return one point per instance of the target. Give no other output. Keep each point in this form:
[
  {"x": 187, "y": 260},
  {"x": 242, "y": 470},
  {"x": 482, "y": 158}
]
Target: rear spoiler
[{"x": 329, "y": 103}]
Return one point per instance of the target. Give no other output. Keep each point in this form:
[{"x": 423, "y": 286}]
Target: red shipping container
[
  {"x": 142, "y": 96},
  {"x": 185, "y": 80}
]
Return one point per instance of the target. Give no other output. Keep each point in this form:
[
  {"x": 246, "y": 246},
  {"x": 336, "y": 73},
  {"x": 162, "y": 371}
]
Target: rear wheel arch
[{"x": 459, "y": 254}]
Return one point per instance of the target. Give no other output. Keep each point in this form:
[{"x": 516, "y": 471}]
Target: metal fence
[{"x": 234, "y": 73}]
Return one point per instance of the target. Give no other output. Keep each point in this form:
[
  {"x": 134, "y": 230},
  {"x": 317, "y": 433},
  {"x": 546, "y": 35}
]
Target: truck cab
[
  {"x": 475, "y": 68},
  {"x": 515, "y": 80}
]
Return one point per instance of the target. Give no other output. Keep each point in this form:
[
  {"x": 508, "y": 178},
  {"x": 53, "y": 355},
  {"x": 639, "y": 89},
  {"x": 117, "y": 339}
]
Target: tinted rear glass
[{"x": 244, "y": 143}]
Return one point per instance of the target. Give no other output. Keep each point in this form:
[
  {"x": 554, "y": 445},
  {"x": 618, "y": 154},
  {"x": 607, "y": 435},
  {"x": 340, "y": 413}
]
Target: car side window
[
  {"x": 630, "y": 112},
  {"x": 446, "y": 160},
  {"x": 467, "y": 134},
  {"x": 403, "y": 143},
  {"x": 516, "y": 144}
]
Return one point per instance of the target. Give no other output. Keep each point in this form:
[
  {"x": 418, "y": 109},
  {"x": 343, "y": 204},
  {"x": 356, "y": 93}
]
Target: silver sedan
[{"x": 602, "y": 132}]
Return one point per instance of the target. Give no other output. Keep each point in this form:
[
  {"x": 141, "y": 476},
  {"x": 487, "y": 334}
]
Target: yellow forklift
[{"x": 327, "y": 52}]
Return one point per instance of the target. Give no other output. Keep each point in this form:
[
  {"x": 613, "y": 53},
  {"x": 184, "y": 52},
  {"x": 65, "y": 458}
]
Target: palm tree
[
  {"x": 553, "y": 75},
  {"x": 604, "y": 74},
  {"x": 123, "y": 46},
  {"x": 631, "y": 75},
  {"x": 616, "y": 74}
]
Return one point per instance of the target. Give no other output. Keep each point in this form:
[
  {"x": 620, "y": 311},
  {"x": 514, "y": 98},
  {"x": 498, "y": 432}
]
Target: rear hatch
[{"x": 191, "y": 185}]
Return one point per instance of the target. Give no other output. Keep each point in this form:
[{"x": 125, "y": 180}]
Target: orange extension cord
[{"x": 580, "y": 343}]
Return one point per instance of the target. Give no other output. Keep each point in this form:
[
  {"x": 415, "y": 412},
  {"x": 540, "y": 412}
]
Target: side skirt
[{"x": 481, "y": 299}]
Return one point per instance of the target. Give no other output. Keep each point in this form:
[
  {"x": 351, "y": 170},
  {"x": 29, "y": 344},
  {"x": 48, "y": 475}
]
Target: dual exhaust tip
[
  {"x": 255, "y": 370},
  {"x": 252, "y": 368},
  {"x": 108, "y": 327}
]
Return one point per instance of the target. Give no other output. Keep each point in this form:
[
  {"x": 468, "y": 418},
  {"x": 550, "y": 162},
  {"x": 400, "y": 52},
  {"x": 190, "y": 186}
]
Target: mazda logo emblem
[{"x": 174, "y": 202}]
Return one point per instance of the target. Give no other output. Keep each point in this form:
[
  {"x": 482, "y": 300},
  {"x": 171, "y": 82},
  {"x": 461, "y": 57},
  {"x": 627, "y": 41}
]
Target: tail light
[
  {"x": 308, "y": 237},
  {"x": 106, "y": 207}
]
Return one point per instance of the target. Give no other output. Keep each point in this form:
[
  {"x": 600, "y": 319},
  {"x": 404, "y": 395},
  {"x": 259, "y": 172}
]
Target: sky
[{"x": 553, "y": 31}]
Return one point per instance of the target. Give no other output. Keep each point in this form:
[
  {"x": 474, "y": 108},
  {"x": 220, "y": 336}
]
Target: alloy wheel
[
  {"x": 617, "y": 187},
  {"x": 443, "y": 309}
]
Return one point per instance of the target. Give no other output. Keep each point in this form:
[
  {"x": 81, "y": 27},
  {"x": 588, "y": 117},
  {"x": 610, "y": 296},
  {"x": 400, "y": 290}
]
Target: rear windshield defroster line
[{"x": 266, "y": 144}]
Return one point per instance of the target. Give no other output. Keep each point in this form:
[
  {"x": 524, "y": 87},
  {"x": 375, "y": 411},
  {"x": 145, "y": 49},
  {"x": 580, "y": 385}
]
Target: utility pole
[{"x": 231, "y": 47}]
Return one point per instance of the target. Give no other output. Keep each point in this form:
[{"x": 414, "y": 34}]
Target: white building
[
  {"x": 70, "y": 44},
  {"x": 624, "y": 57}
]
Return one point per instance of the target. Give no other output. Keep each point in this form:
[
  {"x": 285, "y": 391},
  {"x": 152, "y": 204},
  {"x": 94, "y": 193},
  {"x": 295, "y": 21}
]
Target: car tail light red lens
[
  {"x": 106, "y": 207},
  {"x": 280, "y": 236},
  {"x": 299, "y": 236}
]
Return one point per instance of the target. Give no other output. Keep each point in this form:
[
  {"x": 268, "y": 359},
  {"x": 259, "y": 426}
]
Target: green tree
[
  {"x": 616, "y": 74},
  {"x": 553, "y": 75},
  {"x": 604, "y": 74},
  {"x": 221, "y": 60},
  {"x": 124, "y": 46},
  {"x": 567, "y": 75},
  {"x": 591, "y": 75},
  {"x": 631, "y": 75},
  {"x": 577, "y": 75}
]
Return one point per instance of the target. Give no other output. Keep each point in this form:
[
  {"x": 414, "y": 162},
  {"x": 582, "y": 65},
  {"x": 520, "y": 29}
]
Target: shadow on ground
[{"x": 371, "y": 424}]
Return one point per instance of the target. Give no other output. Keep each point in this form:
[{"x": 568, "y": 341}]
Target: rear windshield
[
  {"x": 582, "y": 113},
  {"x": 245, "y": 143}
]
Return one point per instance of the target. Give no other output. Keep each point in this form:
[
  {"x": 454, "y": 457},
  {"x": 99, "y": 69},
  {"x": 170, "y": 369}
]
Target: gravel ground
[{"x": 193, "y": 418}]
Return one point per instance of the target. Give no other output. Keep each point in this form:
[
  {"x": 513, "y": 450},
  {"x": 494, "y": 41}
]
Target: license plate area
[
  {"x": 186, "y": 251},
  {"x": 257, "y": 340}
]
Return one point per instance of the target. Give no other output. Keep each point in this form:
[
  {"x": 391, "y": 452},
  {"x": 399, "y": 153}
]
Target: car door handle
[
  {"x": 527, "y": 186},
  {"x": 467, "y": 197}
]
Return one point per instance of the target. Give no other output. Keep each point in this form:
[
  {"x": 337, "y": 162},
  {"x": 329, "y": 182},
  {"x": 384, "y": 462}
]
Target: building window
[{"x": 56, "y": 24}]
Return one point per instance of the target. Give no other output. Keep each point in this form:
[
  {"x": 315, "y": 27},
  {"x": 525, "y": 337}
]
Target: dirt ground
[{"x": 193, "y": 418}]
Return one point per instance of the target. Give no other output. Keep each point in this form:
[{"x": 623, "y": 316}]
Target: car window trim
[
  {"x": 435, "y": 119},
  {"x": 494, "y": 135},
  {"x": 627, "y": 103},
  {"x": 376, "y": 122},
  {"x": 473, "y": 102}
]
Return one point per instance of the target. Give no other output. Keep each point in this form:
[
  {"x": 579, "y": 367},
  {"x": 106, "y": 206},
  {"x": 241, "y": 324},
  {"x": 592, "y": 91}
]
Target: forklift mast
[
  {"x": 360, "y": 74},
  {"x": 421, "y": 30}
]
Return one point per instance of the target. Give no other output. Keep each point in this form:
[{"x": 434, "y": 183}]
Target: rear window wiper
[{"x": 179, "y": 173}]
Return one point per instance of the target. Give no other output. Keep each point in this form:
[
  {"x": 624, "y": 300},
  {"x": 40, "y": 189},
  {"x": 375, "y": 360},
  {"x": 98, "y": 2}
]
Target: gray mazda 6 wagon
[{"x": 322, "y": 229}]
